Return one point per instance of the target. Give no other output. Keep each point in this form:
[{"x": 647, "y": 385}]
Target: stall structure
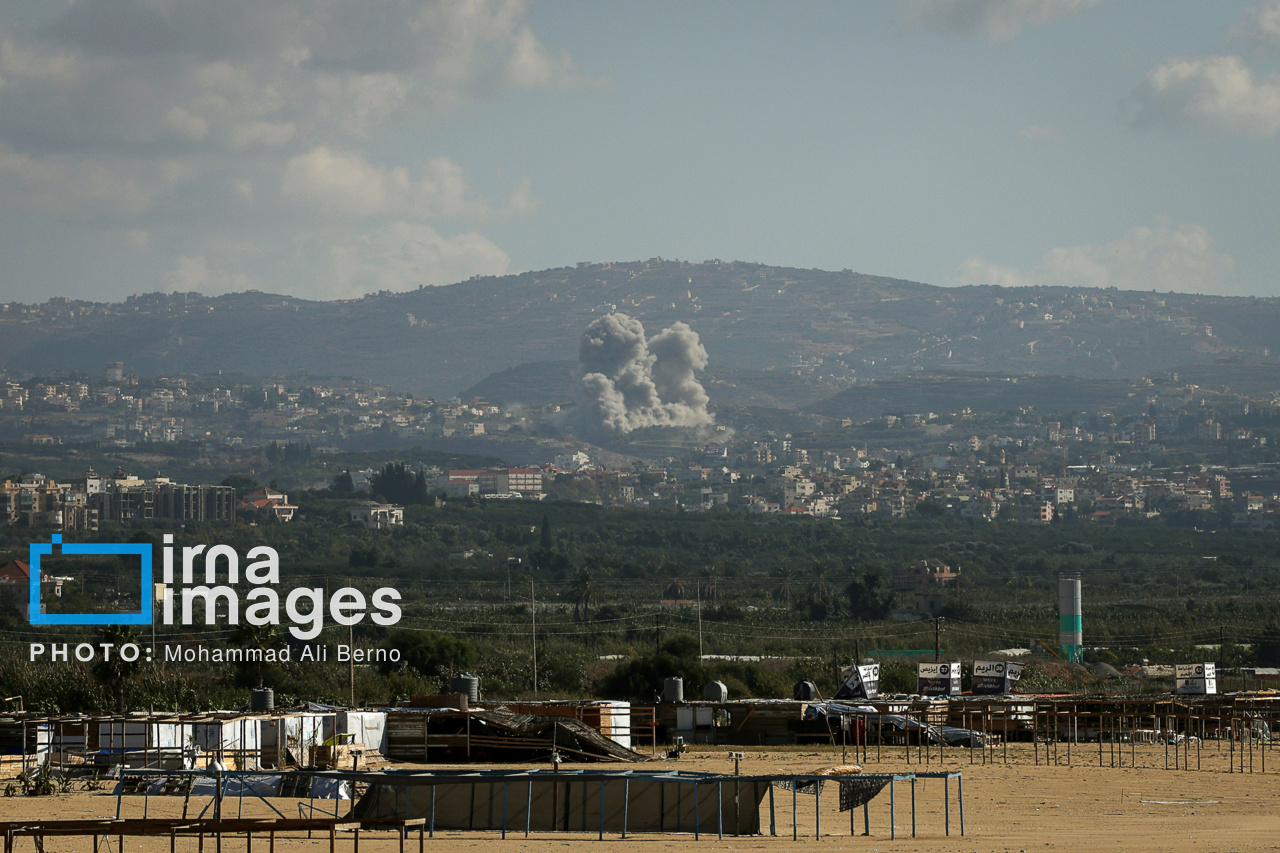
[
  {"x": 635, "y": 801},
  {"x": 439, "y": 735}
]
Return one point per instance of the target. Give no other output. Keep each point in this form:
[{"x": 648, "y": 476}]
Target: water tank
[
  {"x": 466, "y": 684},
  {"x": 715, "y": 691},
  {"x": 805, "y": 691},
  {"x": 262, "y": 699},
  {"x": 1070, "y": 630},
  {"x": 673, "y": 689}
]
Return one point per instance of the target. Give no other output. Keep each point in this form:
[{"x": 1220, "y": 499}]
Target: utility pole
[
  {"x": 699, "y": 623},
  {"x": 937, "y": 638},
  {"x": 533, "y": 614}
]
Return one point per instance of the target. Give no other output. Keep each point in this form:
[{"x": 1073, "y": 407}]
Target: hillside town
[{"x": 1179, "y": 454}]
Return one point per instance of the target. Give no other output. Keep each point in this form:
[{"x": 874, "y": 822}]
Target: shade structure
[{"x": 572, "y": 802}]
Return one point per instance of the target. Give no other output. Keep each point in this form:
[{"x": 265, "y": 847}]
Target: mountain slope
[{"x": 828, "y": 328}]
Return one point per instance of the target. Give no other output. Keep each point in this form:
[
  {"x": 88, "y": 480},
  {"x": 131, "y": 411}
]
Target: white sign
[{"x": 938, "y": 679}]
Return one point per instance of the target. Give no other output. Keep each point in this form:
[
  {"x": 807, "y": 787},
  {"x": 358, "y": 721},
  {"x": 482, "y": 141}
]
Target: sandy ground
[{"x": 1014, "y": 806}]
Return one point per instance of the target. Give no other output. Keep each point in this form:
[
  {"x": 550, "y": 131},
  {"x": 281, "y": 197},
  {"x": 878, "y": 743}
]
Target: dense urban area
[{"x": 764, "y": 548}]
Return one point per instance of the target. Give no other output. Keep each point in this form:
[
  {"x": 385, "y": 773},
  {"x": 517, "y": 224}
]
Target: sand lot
[{"x": 1008, "y": 807}]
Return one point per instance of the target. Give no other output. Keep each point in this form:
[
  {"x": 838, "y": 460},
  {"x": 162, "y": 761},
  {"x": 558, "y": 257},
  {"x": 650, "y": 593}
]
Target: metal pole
[
  {"x": 893, "y": 814},
  {"x": 960, "y": 785},
  {"x": 504, "y": 809},
  {"x": 528, "y": 810},
  {"x": 946, "y": 803},
  {"x": 720, "y": 810},
  {"x": 626, "y": 803},
  {"x": 601, "y": 803},
  {"x": 913, "y": 807}
]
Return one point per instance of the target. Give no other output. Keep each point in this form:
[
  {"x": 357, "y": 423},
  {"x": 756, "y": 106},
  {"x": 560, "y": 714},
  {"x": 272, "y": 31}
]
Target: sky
[{"x": 331, "y": 148}]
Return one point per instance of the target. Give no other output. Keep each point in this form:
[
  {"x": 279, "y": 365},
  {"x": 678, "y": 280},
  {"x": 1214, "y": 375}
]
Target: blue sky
[{"x": 328, "y": 148}]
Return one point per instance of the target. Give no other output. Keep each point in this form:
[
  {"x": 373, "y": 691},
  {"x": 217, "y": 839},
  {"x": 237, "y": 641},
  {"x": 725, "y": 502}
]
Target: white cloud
[
  {"x": 532, "y": 66},
  {"x": 1216, "y": 94},
  {"x": 186, "y": 111},
  {"x": 978, "y": 270},
  {"x": 405, "y": 255},
  {"x": 997, "y": 20},
  {"x": 521, "y": 201},
  {"x": 1260, "y": 27},
  {"x": 1162, "y": 257},
  {"x": 193, "y": 273},
  {"x": 64, "y": 185},
  {"x": 344, "y": 181}
]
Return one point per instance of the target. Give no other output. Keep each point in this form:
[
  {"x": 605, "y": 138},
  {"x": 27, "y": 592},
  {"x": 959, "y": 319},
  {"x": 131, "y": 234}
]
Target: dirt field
[{"x": 1016, "y": 806}]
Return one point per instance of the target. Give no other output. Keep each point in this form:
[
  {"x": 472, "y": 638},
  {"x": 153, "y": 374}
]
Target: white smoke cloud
[{"x": 629, "y": 382}]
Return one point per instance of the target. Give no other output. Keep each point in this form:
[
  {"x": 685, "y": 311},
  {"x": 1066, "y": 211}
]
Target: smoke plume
[{"x": 629, "y": 383}]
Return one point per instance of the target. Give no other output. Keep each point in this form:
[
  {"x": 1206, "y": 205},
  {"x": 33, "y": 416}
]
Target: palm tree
[
  {"x": 785, "y": 576},
  {"x": 709, "y": 590},
  {"x": 585, "y": 593},
  {"x": 675, "y": 589},
  {"x": 819, "y": 586}
]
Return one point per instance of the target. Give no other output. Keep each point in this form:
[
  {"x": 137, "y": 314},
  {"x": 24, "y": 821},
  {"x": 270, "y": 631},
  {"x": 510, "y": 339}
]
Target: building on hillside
[
  {"x": 15, "y": 586},
  {"x": 924, "y": 574},
  {"x": 268, "y": 504},
  {"x": 377, "y": 516},
  {"x": 128, "y": 500},
  {"x": 491, "y": 481}
]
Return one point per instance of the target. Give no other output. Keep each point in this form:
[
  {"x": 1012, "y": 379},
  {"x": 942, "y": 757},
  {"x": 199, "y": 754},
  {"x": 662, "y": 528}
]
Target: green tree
[
  {"x": 257, "y": 639},
  {"x": 242, "y": 485},
  {"x": 113, "y": 671},
  {"x": 868, "y": 600},
  {"x": 585, "y": 593},
  {"x": 431, "y": 653}
]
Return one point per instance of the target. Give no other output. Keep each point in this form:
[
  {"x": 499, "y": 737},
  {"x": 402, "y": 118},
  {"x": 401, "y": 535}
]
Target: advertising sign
[
  {"x": 938, "y": 679},
  {"x": 1200, "y": 679},
  {"x": 995, "y": 677},
  {"x": 863, "y": 683}
]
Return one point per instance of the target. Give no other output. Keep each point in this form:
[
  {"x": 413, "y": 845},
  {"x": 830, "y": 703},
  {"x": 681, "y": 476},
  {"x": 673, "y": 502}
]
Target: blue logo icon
[{"x": 142, "y": 551}]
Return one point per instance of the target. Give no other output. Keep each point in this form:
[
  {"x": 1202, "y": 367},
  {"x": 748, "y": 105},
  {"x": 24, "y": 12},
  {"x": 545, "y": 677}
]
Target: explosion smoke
[{"x": 629, "y": 383}]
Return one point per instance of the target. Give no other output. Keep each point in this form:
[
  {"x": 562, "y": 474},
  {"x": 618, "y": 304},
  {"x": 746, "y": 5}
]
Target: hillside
[{"x": 764, "y": 328}]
